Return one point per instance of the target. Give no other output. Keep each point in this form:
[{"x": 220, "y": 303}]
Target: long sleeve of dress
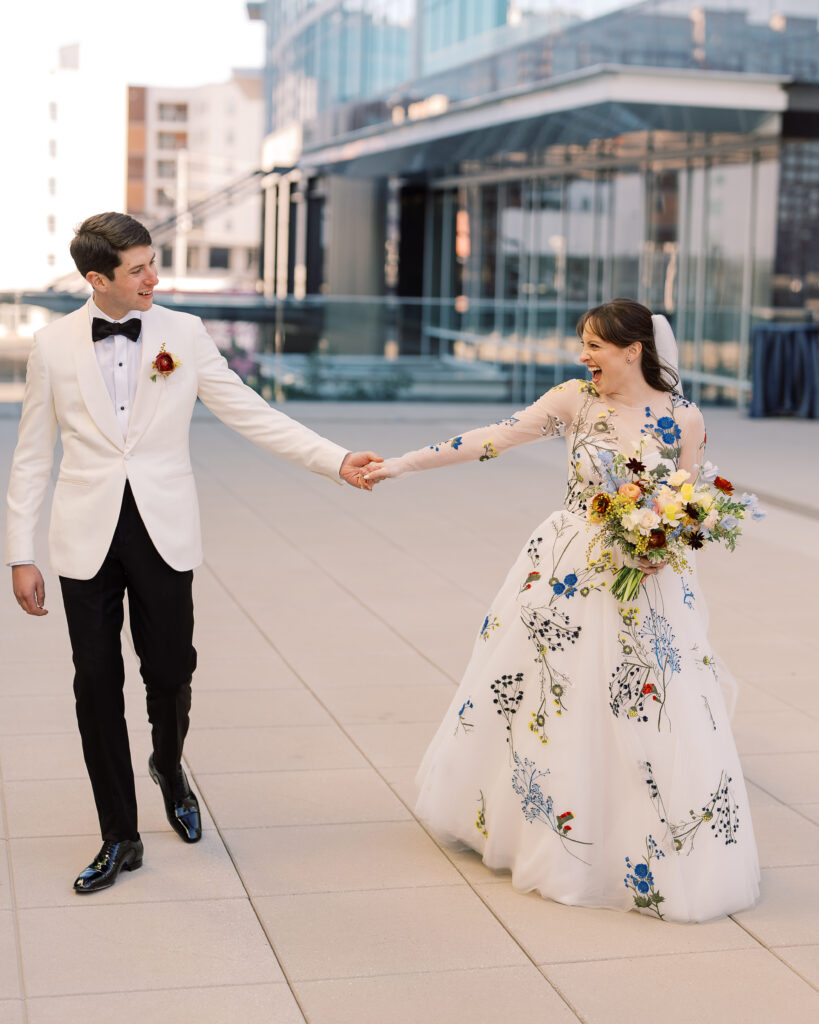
[
  {"x": 547, "y": 417},
  {"x": 692, "y": 448}
]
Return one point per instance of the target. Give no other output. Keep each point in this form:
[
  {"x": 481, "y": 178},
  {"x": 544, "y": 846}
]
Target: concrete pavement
[{"x": 332, "y": 627}]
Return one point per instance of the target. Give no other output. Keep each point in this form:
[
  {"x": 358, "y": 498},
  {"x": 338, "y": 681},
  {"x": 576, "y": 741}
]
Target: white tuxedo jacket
[{"x": 65, "y": 390}]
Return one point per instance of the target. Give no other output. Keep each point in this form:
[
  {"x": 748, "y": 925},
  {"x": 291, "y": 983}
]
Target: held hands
[
  {"x": 373, "y": 473},
  {"x": 29, "y": 589},
  {"x": 353, "y": 468}
]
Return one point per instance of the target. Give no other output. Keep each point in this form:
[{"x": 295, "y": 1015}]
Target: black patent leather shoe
[
  {"x": 112, "y": 858},
  {"x": 181, "y": 806}
]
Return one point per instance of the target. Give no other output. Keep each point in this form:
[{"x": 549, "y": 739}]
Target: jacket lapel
[
  {"x": 148, "y": 392},
  {"x": 92, "y": 386}
]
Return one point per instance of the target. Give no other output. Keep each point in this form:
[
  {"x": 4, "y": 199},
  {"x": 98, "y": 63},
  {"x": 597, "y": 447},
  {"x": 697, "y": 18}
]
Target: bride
[{"x": 588, "y": 748}]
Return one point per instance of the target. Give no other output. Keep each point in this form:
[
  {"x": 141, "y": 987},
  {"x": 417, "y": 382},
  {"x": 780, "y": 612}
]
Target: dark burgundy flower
[
  {"x": 635, "y": 466},
  {"x": 164, "y": 363},
  {"x": 695, "y": 540},
  {"x": 656, "y": 539},
  {"x": 692, "y": 511}
]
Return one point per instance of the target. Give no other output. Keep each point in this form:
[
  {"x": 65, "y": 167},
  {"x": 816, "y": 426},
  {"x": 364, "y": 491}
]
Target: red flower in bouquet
[
  {"x": 723, "y": 485},
  {"x": 164, "y": 363}
]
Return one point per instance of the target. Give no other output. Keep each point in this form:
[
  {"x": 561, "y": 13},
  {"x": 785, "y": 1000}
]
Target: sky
[{"x": 151, "y": 42}]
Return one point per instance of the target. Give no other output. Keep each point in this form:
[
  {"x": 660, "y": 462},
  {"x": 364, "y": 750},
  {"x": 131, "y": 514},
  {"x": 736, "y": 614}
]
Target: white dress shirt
[{"x": 119, "y": 361}]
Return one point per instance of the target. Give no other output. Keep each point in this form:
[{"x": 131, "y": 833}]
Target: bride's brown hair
[{"x": 624, "y": 322}]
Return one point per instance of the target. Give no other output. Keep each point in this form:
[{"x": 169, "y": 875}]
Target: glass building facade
[{"x": 469, "y": 177}]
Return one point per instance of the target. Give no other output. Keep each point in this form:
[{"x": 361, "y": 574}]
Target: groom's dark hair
[{"x": 99, "y": 240}]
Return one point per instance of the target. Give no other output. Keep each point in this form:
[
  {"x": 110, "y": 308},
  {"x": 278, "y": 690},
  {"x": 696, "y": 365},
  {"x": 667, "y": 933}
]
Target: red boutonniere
[{"x": 164, "y": 364}]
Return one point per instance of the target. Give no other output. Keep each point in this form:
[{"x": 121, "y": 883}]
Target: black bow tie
[{"x": 104, "y": 328}]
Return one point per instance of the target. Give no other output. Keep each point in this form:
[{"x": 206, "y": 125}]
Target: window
[
  {"x": 166, "y": 169},
  {"x": 162, "y": 198},
  {"x": 172, "y": 140},
  {"x": 219, "y": 258},
  {"x": 52, "y": 186},
  {"x": 52, "y": 111},
  {"x": 166, "y": 256},
  {"x": 51, "y": 222},
  {"x": 51, "y": 259},
  {"x": 173, "y": 111},
  {"x": 52, "y": 147}
]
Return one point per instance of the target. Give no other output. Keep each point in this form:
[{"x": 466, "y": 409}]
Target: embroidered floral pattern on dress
[
  {"x": 536, "y": 806},
  {"x": 719, "y": 814},
  {"x": 464, "y": 725},
  {"x": 480, "y": 821},
  {"x": 650, "y": 660},
  {"x": 640, "y": 879},
  {"x": 490, "y": 623},
  {"x": 550, "y": 629},
  {"x": 508, "y": 696}
]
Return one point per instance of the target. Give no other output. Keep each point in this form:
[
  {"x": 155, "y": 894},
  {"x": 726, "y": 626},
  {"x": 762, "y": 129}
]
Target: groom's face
[{"x": 133, "y": 284}]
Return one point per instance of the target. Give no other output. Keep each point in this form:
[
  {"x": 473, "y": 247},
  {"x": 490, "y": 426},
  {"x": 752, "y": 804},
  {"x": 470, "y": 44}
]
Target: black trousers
[{"x": 160, "y": 605}]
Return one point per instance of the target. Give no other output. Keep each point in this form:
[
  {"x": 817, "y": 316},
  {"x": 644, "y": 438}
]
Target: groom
[{"x": 119, "y": 379}]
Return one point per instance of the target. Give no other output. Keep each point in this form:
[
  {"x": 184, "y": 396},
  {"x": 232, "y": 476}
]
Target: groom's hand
[
  {"x": 29, "y": 588},
  {"x": 352, "y": 466}
]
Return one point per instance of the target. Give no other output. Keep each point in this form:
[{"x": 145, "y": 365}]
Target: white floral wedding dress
[{"x": 588, "y": 748}]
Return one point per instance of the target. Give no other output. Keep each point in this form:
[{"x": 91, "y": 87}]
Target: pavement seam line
[
  {"x": 397, "y": 795},
  {"x": 789, "y": 807},
  {"x": 15, "y": 909},
  {"x": 774, "y": 953},
  {"x": 250, "y": 898}
]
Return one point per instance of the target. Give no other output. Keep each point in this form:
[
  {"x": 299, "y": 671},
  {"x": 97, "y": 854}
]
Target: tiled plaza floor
[{"x": 332, "y": 627}]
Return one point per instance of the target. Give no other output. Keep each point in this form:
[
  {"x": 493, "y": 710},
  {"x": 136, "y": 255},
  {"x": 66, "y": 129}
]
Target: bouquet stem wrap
[{"x": 626, "y": 586}]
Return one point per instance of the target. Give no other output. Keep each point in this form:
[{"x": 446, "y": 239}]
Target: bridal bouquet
[{"x": 660, "y": 514}]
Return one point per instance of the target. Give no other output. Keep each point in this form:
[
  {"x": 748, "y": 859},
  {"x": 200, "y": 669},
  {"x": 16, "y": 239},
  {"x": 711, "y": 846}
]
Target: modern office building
[
  {"x": 467, "y": 178},
  {"x": 195, "y": 149}
]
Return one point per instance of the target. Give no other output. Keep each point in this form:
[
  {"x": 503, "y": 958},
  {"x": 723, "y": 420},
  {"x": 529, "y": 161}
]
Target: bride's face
[{"x": 610, "y": 365}]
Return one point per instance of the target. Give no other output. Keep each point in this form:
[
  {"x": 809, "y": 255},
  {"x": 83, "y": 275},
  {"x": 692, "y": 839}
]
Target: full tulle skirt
[{"x": 588, "y": 748}]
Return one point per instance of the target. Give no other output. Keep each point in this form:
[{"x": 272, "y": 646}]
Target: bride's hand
[
  {"x": 648, "y": 568},
  {"x": 374, "y": 472}
]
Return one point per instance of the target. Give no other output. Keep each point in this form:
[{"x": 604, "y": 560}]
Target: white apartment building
[{"x": 187, "y": 149}]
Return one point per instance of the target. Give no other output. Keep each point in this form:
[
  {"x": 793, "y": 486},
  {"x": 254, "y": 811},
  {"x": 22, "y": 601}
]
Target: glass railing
[{"x": 391, "y": 348}]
